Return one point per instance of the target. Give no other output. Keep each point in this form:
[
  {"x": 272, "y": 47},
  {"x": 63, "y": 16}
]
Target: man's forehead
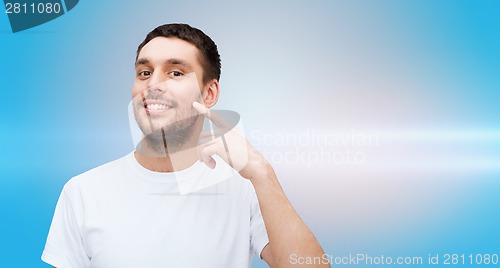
[{"x": 163, "y": 48}]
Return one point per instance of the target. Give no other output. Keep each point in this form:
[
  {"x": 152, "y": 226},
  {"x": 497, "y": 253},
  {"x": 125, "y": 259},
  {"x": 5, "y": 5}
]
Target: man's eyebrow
[
  {"x": 171, "y": 61},
  {"x": 141, "y": 61},
  {"x": 174, "y": 61}
]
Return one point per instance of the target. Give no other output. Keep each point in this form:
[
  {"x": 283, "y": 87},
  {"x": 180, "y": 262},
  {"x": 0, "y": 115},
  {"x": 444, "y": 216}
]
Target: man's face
[{"x": 168, "y": 75}]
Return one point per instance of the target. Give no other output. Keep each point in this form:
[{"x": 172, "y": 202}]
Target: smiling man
[{"x": 185, "y": 197}]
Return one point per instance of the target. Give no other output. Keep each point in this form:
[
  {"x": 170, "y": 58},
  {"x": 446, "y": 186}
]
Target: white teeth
[{"x": 158, "y": 107}]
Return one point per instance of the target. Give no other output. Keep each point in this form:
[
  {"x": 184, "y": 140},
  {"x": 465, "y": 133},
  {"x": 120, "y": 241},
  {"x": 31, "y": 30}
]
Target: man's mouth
[{"x": 155, "y": 107}]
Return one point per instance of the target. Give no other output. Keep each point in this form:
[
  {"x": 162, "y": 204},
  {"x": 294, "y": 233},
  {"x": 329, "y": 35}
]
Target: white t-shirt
[{"x": 123, "y": 215}]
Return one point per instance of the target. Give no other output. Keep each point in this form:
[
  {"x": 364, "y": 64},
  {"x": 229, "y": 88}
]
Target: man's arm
[{"x": 287, "y": 233}]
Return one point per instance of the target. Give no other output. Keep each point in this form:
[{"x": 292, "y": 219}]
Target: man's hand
[{"x": 230, "y": 144}]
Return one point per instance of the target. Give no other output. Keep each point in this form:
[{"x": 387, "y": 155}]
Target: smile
[
  {"x": 155, "y": 107},
  {"x": 158, "y": 107}
]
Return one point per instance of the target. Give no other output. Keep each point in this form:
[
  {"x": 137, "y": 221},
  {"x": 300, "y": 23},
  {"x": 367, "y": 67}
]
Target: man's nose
[{"x": 156, "y": 80}]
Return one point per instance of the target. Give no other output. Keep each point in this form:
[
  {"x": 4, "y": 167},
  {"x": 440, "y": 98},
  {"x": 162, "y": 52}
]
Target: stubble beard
[{"x": 164, "y": 138}]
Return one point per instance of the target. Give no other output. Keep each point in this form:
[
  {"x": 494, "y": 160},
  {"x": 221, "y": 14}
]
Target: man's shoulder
[{"x": 100, "y": 174}]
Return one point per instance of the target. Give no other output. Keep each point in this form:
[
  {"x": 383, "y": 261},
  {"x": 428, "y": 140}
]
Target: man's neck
[
  {"x": 169, "y": 163},
  {"x": 159, "y": 158}
]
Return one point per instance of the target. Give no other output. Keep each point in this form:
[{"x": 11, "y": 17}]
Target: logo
[{"x": 28, "y": 14}]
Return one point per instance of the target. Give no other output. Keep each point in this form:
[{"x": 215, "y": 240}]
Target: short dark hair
[{"x": 210, "y": 58}]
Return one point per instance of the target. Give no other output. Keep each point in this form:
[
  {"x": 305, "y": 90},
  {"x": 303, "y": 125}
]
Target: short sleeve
[
  {"x": 258, "y": 232},
  {"x": 64, "y": 247}
]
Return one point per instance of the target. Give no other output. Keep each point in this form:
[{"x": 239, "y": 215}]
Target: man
[{"x": 185, "y": 197}]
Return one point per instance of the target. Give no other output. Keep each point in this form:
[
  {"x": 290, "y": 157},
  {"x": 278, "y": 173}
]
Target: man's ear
[{"x": 211, "y": 93}]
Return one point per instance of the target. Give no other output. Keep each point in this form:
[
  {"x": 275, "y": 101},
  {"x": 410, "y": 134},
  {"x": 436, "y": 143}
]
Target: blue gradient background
[{"x": 422, "y": 75}]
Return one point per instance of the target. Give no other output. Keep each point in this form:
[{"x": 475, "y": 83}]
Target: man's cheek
[
  {"x": 185, "y": 95},
  {"x": 185, "y": 87},
  {"x": 191, "y": 82},
  {"x": 137, "y": 89}
]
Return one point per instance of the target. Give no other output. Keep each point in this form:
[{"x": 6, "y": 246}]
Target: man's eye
[
  {"x": 175, "y": 74},
  {"x": 144, "y": 73}
]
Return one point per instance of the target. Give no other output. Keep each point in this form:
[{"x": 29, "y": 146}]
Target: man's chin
[
  {"x": 151, "y": 124},
  {"x": 168, "y": 139},
  {"x": 157, "y": 130}
]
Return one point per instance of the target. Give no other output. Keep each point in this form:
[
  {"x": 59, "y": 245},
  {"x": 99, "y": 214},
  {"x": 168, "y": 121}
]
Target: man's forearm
[{"x": 287, "y": 233}]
